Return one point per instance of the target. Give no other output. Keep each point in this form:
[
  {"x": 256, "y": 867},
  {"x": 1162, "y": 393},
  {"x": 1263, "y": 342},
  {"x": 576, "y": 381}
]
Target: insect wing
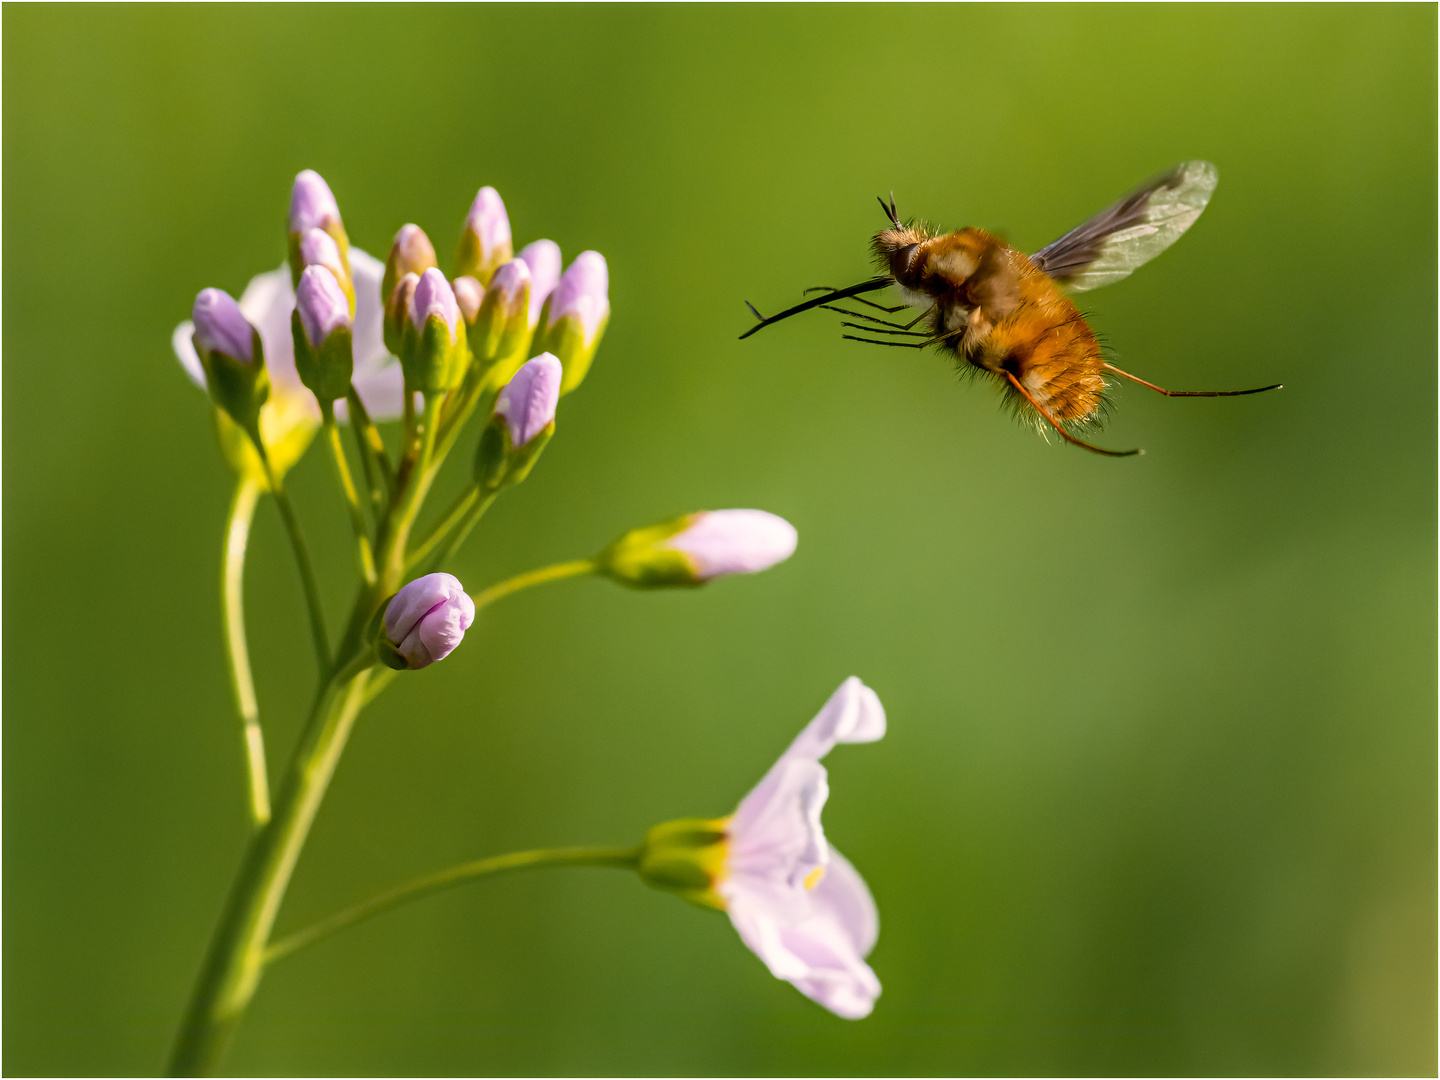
[{"x": 1132, "y": 232}]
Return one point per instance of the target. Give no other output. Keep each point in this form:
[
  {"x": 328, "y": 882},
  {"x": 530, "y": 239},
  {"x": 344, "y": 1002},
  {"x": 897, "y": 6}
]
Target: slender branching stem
[
  {"x": 232, "y": 600},
  {"x": 462, "y": 530},
  {"x": 379, "y": 472},
  {"x": 458, "y": 509},
  {"x": 625, "y": 858},
  {"x": 534, "y": 577},
  {"x": 352, "y": 497},
  {"x": 307, "y": 568}
]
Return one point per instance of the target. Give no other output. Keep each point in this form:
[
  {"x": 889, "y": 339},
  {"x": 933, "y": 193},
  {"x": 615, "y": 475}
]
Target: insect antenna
[
  {"x": 1191, "y": 393},
  {"x": 1063, "y": 433},
  {"x": 820, "y": 301},
  {"x": 890, "y": 210}
]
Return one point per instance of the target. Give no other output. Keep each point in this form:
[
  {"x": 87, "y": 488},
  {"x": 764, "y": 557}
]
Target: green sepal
[
  {"x": 686, "y": 857},
  {"x": 431, "y": 361},
  {"x": 499, "y": 464},
  {"x": 468, "y": 258},
  {"x": 637, "y": 560},
  {"x": 566, "y": 339},
  {"x": 337, "y": 233},
  {"x": 238, "y": 387},
  {"x": 325, "y": 371},
  {"x": 495, "y": 334}
]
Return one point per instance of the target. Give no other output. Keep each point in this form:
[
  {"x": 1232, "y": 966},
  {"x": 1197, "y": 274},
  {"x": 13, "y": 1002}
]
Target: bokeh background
[{"x": 1158, "y": 793}]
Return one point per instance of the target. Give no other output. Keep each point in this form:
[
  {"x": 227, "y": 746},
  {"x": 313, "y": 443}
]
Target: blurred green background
[{"x": 1158, "y": 793}]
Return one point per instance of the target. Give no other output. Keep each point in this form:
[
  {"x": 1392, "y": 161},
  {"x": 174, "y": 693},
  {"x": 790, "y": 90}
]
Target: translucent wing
[{"x": 1132, "y": 232}]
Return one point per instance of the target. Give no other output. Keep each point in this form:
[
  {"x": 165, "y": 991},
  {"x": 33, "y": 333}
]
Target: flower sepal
[
  {"x": 433, "y": 349},
  {"x": 686, "y": 857},
  {"x": 641, "y": 559},
  {"x": 326, "y": 371},
  {"x": 502, "y": 331},
  {"x": 499, "y": 463},
  {"x": 240, "y": 387},
  {"x": 287, "y": 428}
]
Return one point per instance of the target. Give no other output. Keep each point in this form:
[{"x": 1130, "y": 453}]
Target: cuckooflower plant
[{"x": 405, "y": 356}]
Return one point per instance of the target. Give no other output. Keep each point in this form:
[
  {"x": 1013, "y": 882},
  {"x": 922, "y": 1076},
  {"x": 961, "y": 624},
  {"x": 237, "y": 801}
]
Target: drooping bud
[
  {"x": 501, "y": 334},
  {"x": 312, "y": 206},
  {"x": 233, "y": 358},
  {"x": 485, "y": 243},
  {"x": 433, "y": 351},
  {"x": 521, "y": 425},
  {"x": 686, "y": 857},
  {"x": 424, "y": 622},
  {"x": 543, "y": 259},
  {"x": 575, "y": 316},
  {"x": 322, "y": 330},
  {"x": 411, "y": 253},
  {"x": 693, "y": 549}
]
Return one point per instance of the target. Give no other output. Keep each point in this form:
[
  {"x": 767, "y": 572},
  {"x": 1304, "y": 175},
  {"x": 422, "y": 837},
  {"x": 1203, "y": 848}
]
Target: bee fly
[{"x": 1006, "y": 314}]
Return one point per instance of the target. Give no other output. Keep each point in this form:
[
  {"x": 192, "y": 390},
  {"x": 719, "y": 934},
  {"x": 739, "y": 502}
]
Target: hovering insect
[{"x": 1006, "y": 314}]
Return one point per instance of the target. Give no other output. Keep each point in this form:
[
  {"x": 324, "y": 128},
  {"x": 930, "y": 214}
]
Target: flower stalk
[{"x": 232, "y": 600}]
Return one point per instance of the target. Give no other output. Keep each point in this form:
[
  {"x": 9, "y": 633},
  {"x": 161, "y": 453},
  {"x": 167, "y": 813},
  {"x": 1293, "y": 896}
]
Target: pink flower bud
[
  {"x": 220, "y": 326},
  {"x": 433, "y": 296},
  {"x": 412, "y": 251},
  {"x": 528, "y": 402},
  {"x": 318, "y": 248},
  {"x": 322, "y": 304},
  {"x": 488, "y": 221},
  {"x": 428, "y": 618},
  {"x": 468, "y": 294},
  {"x": 507, "y": 284},
  {"x": 583, "y": 293},
  {"x": 311, "y": 204},
  {"x": 735, "y": 542},
  {"x": 543, "y": 259}
]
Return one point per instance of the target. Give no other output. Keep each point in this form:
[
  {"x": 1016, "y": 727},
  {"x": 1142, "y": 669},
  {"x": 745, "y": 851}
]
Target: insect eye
[{"x": 905, "y": 256}]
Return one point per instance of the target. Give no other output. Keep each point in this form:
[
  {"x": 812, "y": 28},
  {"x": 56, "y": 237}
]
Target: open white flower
[
  {"x": 267, "y": 303},
  {"x": 795, "y": 901}
]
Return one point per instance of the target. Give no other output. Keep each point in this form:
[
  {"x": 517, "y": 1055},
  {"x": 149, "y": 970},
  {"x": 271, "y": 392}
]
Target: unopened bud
[
  {"x": 221, "y": 327},
  {"x": 502, "y": 327},
  {"x": 693, "y": 549},
  {"x": 319, "y": 249},
  {"x": 543, "y": 259},
  {"x": 433, "y": 351},
  {"x": 469, "y": 294},
  {"x": 321, "y": 328},
  {"x": 424, "y": 622},
  {"x": 233, "y": 358},
  {"x": 523, "y": 422},
  {"x": 575, "y": 316},
  {"x": 686, "y": 857},
  {"x": 312, "y": 206},
  {"x": 411, "y": 253},
  {"x": 485, "y": 244}
]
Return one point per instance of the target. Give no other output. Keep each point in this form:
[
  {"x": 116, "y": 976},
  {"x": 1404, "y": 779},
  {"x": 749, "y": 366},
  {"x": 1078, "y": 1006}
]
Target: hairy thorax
[{"x": 991, "y": 307}]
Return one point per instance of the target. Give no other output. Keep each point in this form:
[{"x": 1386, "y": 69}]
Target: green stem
[
  {"x": 533, "y": 577},
  {"x": 352, "y": 497},
  {"x": 415, "y": 483},
  {"x": 232, "y": 600},
  {"x": 455, "y": 514},
  {"x": 307, "y": 568},
  {"x": 625, "y": 858},
  {"x": 372, "y": 450},
  {"x": 236, "y": 957},
  {"x": 460, "y": 532}
]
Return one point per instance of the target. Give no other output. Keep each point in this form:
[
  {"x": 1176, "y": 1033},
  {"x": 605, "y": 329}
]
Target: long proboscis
[{"x": 873, "y": 285}]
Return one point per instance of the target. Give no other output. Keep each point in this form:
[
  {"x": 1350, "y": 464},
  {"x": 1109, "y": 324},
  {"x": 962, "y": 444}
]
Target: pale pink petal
[
  {"x": 852, "y": 715},
  {"x": 528, "y": 401},
  {"x": 543, "y": 259},
  {"x": 735, "y": 542}
]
